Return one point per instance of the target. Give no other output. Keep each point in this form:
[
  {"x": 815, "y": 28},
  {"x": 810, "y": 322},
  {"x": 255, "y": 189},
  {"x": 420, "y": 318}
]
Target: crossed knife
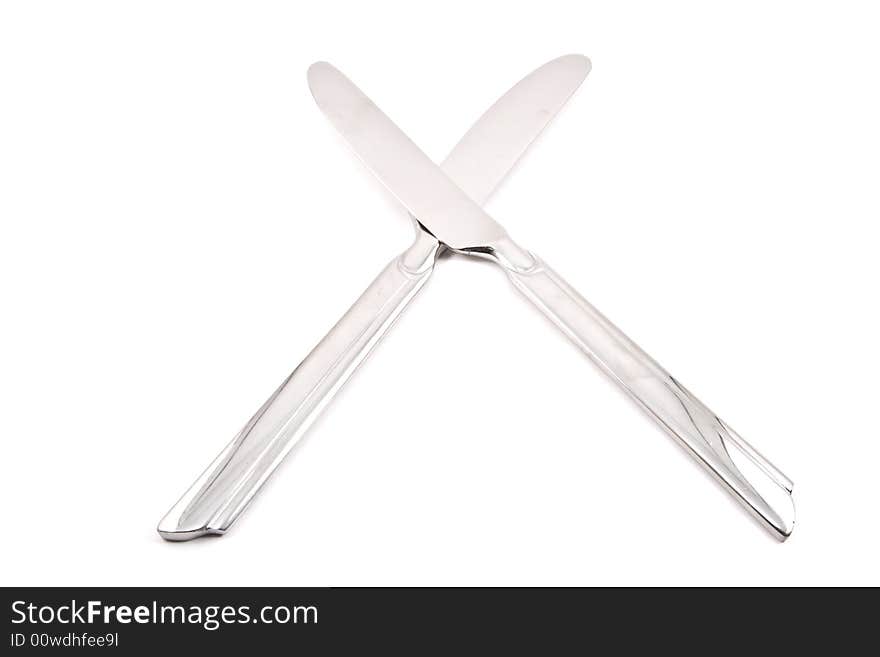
[{"x": 445, "y": 204}]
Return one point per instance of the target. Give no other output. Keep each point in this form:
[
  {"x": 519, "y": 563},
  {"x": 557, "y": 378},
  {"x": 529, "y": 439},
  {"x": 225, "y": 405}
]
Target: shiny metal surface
[
  {"x": 419, "y": 184},
  {"x": 747, "y": 475},
  {"x": 477, "y": 164},
  {"x": 463, "y": 226}
]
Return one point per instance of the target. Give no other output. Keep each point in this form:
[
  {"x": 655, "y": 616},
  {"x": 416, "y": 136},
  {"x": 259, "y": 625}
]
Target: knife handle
[
  {"x": 747, "y": 475},
  {"x": 223, "y": 491}
]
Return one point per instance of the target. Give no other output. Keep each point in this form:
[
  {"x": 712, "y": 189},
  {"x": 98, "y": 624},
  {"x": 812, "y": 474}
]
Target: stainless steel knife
[
  {"x": 478, "y": 163},
  {"x": 459, "y": 223}
]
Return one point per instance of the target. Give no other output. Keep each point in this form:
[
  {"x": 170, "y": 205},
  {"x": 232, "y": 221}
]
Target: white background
[{"x": 180, "y": 226}]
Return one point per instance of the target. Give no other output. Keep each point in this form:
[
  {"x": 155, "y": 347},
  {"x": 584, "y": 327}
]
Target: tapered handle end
[
  {"x": 785, "y": 526},
  {"x": 195, "y": 514},
  {"x": 760, "y": 486},
  {"x": 778, "y": 515},
  {"x": 755, "y": 482},
  {"x": 171, "y": 530}
]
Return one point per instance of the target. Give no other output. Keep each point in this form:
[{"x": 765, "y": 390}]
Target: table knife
[
  {"x": 460, "y": 224},
  {"x": 478, "y": 164}
]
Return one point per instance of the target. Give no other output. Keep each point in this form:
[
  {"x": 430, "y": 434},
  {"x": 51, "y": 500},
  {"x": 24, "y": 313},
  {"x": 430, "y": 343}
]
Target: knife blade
[
  {"x": 411, "y": 176},
  {"x": 482, "y": 158},
  {"x": 445, "y": 210}
]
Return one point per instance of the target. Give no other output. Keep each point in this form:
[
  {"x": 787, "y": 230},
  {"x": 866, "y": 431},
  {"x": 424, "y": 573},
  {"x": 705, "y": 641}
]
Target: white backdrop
[{"x": 180, "y": 226}]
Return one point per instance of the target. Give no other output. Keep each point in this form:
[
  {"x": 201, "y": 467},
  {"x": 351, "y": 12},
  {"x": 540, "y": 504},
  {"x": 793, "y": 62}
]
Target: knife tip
[
  {"x": 578, "y": 61},
  {"x": 318, "y": 68}
]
